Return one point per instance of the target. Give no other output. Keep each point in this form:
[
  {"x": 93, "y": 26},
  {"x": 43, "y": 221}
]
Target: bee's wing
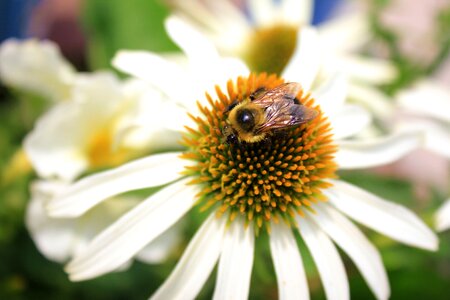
[
  {"x": 284, "y": 113},
  {"x": 280, "y": 109},
  {"x": 286, "y": 91}
]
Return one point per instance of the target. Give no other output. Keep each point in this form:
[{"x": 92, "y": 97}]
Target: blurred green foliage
[{"x": 116, "y": 24}]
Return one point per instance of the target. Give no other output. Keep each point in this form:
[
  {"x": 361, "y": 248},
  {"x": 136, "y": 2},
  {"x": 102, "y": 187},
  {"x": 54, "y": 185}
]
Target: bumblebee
[{"x": 264, "y": 113}]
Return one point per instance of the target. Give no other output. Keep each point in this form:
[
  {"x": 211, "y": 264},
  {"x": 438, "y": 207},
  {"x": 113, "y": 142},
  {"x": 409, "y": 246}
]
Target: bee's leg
[{"x": 231, "y": 106}]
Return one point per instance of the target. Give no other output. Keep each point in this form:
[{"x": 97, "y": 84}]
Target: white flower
[
  {"x": 97, "y": 127},
  {"x": 424, "y": 108},
  {"x": 267, "y": 35},
  {"x": 36, "y": 66},
  {"x": 258, "y": 186},
  {"x": 60, "y": 238}
]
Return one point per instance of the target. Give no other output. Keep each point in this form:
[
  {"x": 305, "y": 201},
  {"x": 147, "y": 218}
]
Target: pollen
[
  {"x": 269, "y": 49},
  {"x": 274, "y": 179}
]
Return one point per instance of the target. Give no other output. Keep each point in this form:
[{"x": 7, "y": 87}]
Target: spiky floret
[{"x": 268, "y": 180}]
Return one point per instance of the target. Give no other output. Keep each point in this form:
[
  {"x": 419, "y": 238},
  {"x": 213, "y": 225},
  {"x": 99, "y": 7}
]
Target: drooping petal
[
  {"x": 377, "y": 151},
  {"x": 388, "y": 218},
  {"x": 197, "y": 262},
  {"x": 306, "y": 60},
  {"x": 291, "y": 277},
  {"x": 443, "y": 217},
  {"x": 356, "y": 245},
  {"x": 150, "y": 171},
  {"x": 128, "y": 235},
  {"x": 349, "y": 120},
  {"x": 326, "y": 258},
  {"x": 236, "y": 261},
  {"x": 37, "y": 66}
]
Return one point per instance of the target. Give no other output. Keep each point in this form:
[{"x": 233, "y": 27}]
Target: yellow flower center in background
[
  {"x": 102, "y": 152},
  {"x": 269, "y": 49},
  {"x": 267, "y": 180}
]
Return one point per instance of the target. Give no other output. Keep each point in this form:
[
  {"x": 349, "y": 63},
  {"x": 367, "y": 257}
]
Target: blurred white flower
[
  {"x": 36, "y": 66},
  {"x": 280, "y": 186},
  {"x": 425, "y": 108},
  {"x": 96, "y": 128},
  {"x": 266, "y": 34},
  {"x": 58, "y": 239}
]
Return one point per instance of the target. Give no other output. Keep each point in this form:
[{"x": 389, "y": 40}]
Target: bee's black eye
[{"x": 245, "y": 119}]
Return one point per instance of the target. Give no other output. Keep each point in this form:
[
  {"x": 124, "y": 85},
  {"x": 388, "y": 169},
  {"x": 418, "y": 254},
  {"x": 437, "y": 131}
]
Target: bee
[{"x": 264, "y": 113}]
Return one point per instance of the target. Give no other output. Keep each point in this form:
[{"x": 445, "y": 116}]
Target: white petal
[
  {"x": 371, "y": 70},
  {"x": 152, "y": 68},
  {"x": 426, "y": 99},
  {"x": 331, "y": 94},
  {"x": 53, "y": 237},
  {"x": 345, "y": 33},
  {"x": 55, "y": 145},
  {"x": 37, "y": 66},
  {"x": 305, "y": 62},
  {"x": 377, "y": 151},
  {"x": 236, "y": 261},
  {"x": 150, "y": 171},
  {"x": 327, "y": 259},
  {"x": 349, "y": 120},
  {"x": 291, "y": 278},
  {"x": 356, "y": 245},
  {"x": 58, "y": 144},
  {"x": 197, "y": 262},
  {"x": 262, "y": 12},
  {"x": 127, "y": 236},
  {"x": 198, "y": 49},
  {"x": 385, "y": 217},
  {"x": 443, "y": 217},
  {"x": 297, "y": 12}
]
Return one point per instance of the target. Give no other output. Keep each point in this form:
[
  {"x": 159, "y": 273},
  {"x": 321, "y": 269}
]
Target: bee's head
[{"x": 245, "y": 119}]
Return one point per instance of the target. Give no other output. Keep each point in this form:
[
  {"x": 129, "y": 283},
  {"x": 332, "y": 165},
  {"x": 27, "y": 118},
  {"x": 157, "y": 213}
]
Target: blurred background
[{"x": 414, "y": 35}]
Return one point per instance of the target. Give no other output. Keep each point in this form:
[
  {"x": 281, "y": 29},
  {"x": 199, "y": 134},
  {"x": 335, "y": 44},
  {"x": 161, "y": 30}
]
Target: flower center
[
  {"x": 101, "y": 151},
  {"x": 275, "y": 177},
  {"x": 269, "y": 49}
]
